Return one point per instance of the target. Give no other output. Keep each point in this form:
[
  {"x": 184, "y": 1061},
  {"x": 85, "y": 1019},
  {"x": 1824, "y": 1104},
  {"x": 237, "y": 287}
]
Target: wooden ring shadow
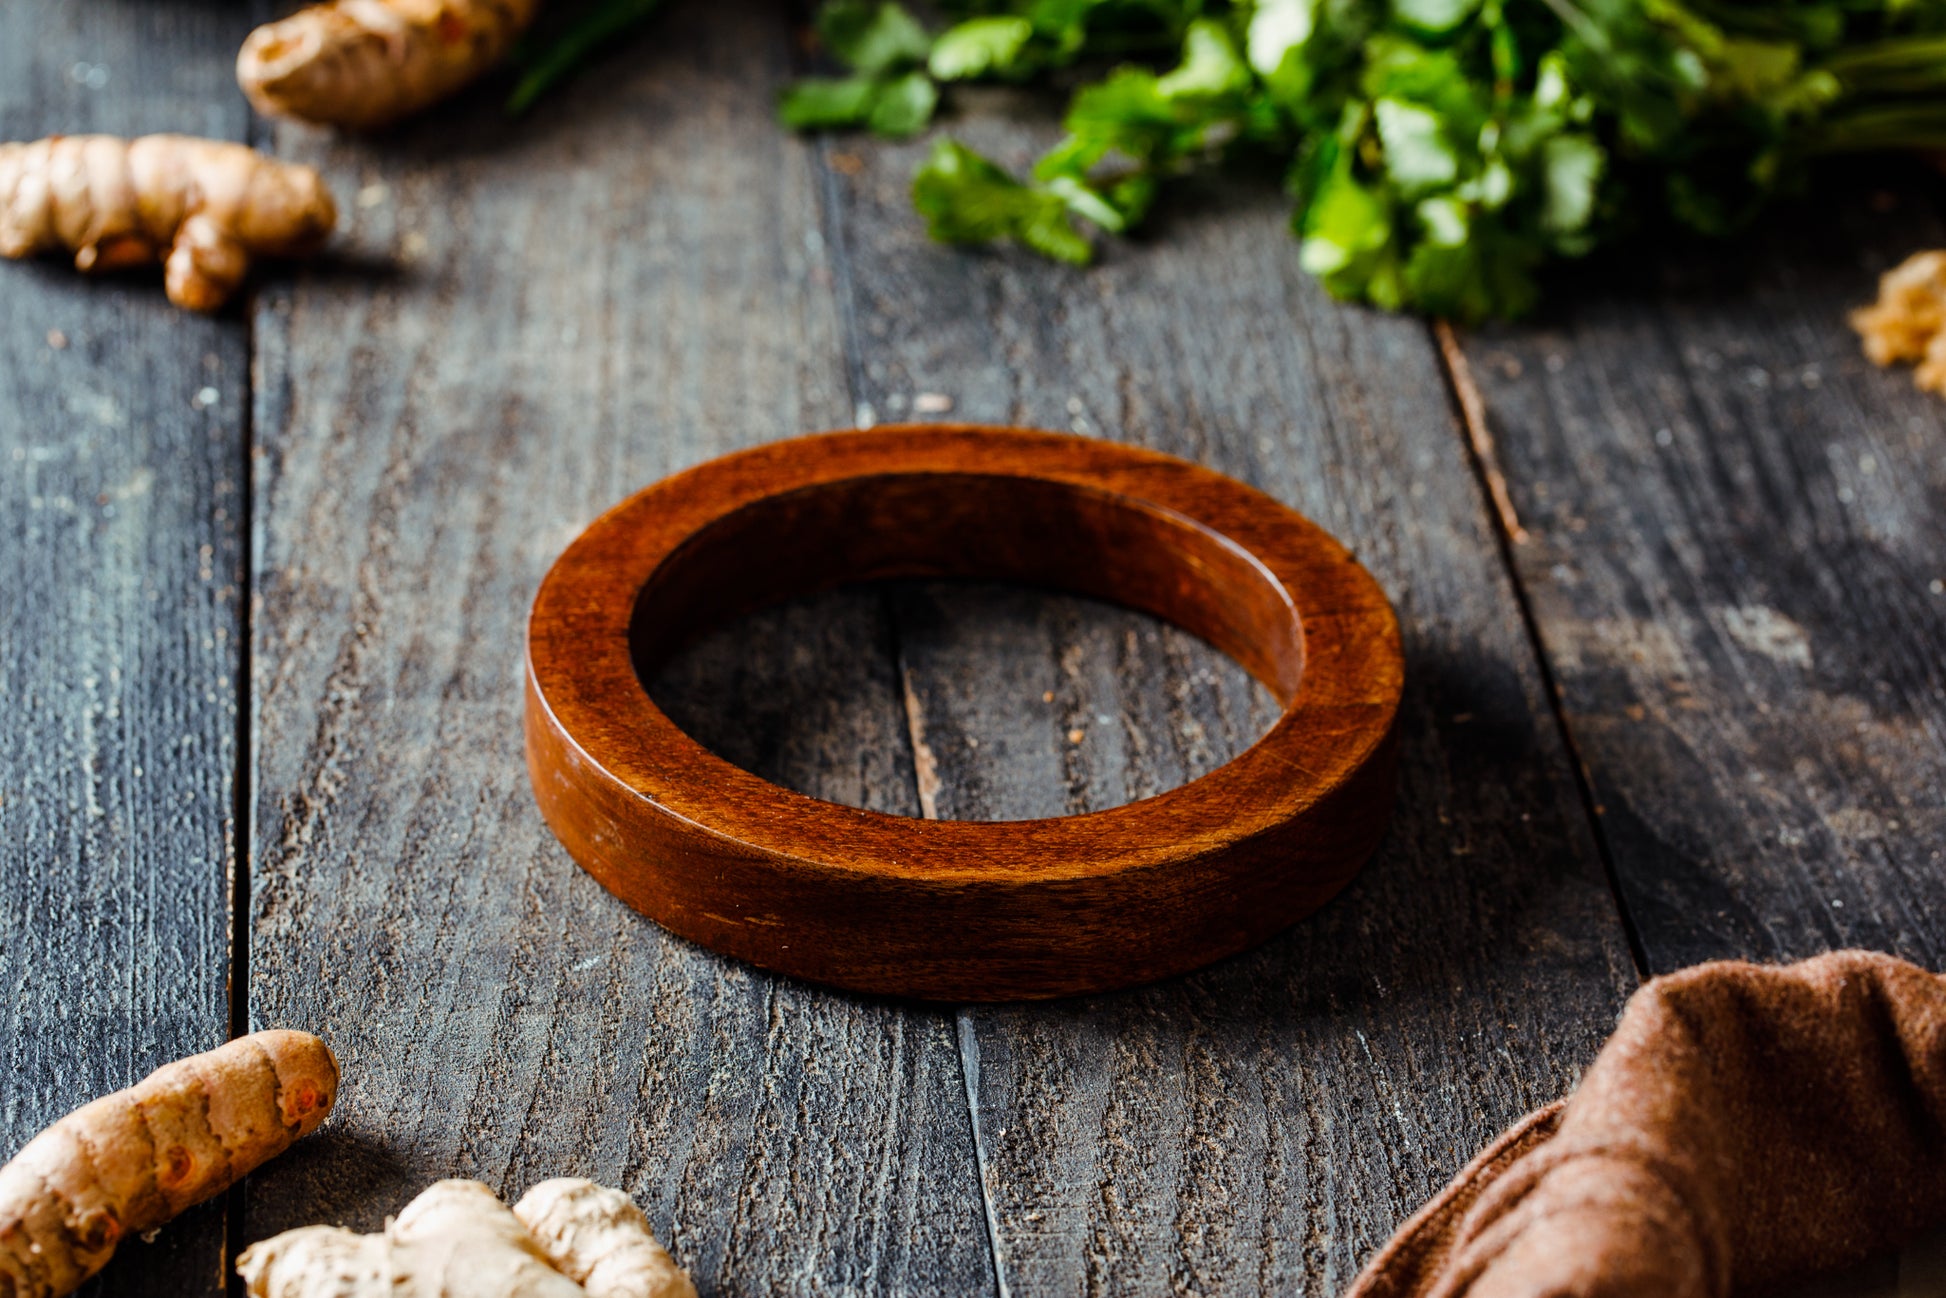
[{"x": 962, "y": 910}]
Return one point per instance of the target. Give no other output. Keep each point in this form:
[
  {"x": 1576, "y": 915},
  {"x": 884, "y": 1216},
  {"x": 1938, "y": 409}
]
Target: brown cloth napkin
[{"x": 1745, "y": 1125}]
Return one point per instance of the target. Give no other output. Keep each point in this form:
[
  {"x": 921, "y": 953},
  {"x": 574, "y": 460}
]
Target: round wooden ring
[{"x": 963, "y": 910}]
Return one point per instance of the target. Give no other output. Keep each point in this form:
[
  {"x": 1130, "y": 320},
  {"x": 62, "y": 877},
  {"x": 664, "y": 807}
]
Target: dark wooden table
[{"x": 1677, "y": 690}]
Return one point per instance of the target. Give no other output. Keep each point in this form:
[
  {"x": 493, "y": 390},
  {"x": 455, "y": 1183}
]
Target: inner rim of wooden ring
[
  {"x": 951, "y": 909},
  {"x": 960, "y": 525}
]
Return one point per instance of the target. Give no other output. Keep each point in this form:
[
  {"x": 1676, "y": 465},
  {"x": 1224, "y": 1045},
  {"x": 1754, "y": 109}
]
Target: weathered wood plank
[
  {"x": 629, "y": 282},
  {"x": 806, "y": 694},
  {"x": 1735, "y": 558},
  {"x": 121, "y": 509},
  {"x": 1095, "y": 705},
  {"x": 1263, "y": 1125}
]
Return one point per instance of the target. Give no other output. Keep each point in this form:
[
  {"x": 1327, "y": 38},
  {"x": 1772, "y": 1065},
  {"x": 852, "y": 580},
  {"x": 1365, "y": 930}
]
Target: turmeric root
[
  {"x": 202, "y": 207},
  {"x": 1908, "y": 322},
  {"x": 598, "y": 1238},
  {"x": 364, "y": 64},
  {"x": 454, "y": 1241},
  {"x": 132, "y": 1160}
]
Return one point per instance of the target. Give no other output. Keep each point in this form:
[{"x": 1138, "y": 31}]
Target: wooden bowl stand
[{"x": 962, "y": 910}]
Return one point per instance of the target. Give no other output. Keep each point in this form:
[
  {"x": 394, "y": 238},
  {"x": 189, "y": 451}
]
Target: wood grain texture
[
  {"x": 1066, "y": 690},
  {"x": 1260, "y": 1126},
  {"x": 529, "y": 323},
  {"x": 805, "y": 693},
  {"x": 1736, "y": 564},
  {"x": 121, "y": 514}
]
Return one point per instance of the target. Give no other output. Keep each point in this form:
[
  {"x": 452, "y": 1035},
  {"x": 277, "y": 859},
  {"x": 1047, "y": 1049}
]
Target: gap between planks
[
  {"x": 1470, "y": 407},
  {"x": 925, "y": 775},
  {"x": 925, "y": 767},
  {"x": 258, "y": 135},
  {"x": 243, "y": 783}
]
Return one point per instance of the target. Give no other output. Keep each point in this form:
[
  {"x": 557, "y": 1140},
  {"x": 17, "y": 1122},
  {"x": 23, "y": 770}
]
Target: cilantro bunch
[{"x": 1439, "y": 152}]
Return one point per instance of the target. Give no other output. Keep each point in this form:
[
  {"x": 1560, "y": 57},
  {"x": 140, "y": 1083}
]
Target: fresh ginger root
[
  {"x": 364, "y": 64},
  {"x": 454, "y": 1241},
  {"x": 598, "y": 1238},
  {"x": 202, "y": 207},
  {"x": 1908, "y": 322},
  {"x": 130, "y": 1161},
  {"x": 458, "y": 1241}
]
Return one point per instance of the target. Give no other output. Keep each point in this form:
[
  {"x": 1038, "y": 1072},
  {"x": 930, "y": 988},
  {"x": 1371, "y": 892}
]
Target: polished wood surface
[{"x": 957, "y": 910}]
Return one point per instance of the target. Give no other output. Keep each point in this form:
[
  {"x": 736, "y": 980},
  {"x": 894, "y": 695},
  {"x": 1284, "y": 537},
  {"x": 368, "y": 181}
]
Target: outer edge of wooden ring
[{"x": 961, "y": 910}]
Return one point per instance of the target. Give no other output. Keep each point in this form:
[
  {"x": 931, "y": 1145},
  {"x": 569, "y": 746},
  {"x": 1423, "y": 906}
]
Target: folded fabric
[{"x": 1744, "y": 1126}]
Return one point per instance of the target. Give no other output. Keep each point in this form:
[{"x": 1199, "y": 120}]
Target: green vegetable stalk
[
  {"x": 542, "y": 66},
  {"x": 1440, "y": 152}
]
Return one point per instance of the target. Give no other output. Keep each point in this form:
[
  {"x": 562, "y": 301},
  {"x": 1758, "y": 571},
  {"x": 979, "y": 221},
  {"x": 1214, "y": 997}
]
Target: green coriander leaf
[
  {"x": 1690, "y": 69},
  {"x": 1086, "y": 203},
  {"x": 1277, "y": 29},
  {"x": 828, "y": 103},
  {"x": 1132, "y": 196},
  {"x": 1444, "y": 221},
  {"x": 889, "y": 92},
  {"x": 903, "y": 105},
  {"x": 1137, "y": 119},
  {"x": 1210, "y": 67},
  {"x": 1439, "y": 152},
  {"x": 1346, "y": 227},
  {"x": 873, "y": 38},
  {"x": 1493, "y": 187},
  {"x": 1417, "y": 156},
  {"x": 967, "y": 199},
  {"x": 1125, "y": 114},
  {"x": 1434, "y": 17},
  {"x": 1552, "y": 90},
  {"x": 1754, "y": 69},
  {"x": 1571, "y": 168},
  {"x": 1396, "y": 68},
  {"x": 979, "y": 47},
  {"x": 1130, "y": 97},
  {"x": 1446, "y": 279},
  {"x": 1050, "y": 233},
  {"x": 1466, "y": 268},
  {"x": 964, "y": 197}
]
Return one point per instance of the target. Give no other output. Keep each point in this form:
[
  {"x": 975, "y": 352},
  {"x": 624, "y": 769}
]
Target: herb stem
[
  {"x": 575, "y": 46},
  {"x": 1875, "y": 130},
  {"x": 1908, "y": 65}
]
